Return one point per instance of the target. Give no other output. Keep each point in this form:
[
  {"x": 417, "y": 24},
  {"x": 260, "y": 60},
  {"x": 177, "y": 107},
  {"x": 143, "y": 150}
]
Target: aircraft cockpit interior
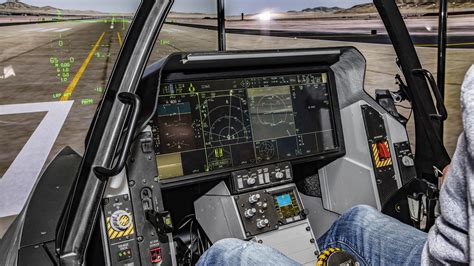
[{"x": 258, "y": 146}]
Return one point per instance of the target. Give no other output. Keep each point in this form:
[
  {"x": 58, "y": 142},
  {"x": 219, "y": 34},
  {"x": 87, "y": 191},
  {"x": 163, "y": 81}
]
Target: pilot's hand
[{"x": 445, "y": 173}]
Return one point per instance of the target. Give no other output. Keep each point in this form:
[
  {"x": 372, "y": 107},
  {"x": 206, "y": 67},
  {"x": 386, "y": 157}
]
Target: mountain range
[{"x": 20, "y": 7}]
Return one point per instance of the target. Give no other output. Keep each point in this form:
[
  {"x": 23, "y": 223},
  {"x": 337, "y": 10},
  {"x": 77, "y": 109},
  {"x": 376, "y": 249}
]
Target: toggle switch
[
  {"x": 279, "y": 175},
  {"x": 254, "y": 198},
  {"x": 251, "y": 181},
  {"x": 262, "y": 223},
  {"x": 250, "y": 213},
  {"x": 384, "y": 153}
]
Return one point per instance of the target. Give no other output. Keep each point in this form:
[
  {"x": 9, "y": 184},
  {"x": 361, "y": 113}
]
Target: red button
[{"x": 384, "y": 153}]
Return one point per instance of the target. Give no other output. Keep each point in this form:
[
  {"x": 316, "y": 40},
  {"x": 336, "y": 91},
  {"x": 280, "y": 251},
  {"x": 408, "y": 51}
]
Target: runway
[
  {"x": 55, "y": 62},
  {"x": 71, "y": 61},
  {"x": 362, "y": 30}
]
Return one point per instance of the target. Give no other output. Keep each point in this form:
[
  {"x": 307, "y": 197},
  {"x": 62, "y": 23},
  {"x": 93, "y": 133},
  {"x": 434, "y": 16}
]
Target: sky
[{"x": 233, "y": 7}]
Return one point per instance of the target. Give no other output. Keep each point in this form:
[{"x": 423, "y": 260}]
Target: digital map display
[{"x": 203, "y": 126}]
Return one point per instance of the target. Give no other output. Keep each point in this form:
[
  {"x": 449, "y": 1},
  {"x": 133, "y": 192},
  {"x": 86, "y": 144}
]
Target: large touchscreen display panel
[{"x": 203, "y": 126}]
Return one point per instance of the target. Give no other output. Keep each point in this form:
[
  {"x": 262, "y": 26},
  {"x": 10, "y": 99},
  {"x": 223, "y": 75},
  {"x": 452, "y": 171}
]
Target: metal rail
[
  {"x": 430, "y": 150},
  {"x": 82, "y": 213},
  {"x": 221, "y": 25},
  {"x": 442, "y": 39}
]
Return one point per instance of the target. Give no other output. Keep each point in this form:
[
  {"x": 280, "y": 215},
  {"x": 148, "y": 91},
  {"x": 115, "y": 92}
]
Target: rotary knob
[
  {"x": 279, "y": 175},
  {"x": 251, "y": 181},
  {"x": 408, "y": 161},
  {"x": 262, "y": 223},
  {"x": 120, "y": 220},
  {"x": 249, "y": 213},
  {"x": 254, "y": 198}
]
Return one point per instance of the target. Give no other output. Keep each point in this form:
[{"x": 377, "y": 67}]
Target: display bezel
[{"x": 200, "y": 75}]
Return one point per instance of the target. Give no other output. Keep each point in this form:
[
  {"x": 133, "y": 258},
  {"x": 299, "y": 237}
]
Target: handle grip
[
  {"x": 134, "y": 101},
  {"x": 441, "y": 108}
]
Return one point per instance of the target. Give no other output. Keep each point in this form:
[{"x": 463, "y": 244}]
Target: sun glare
[{"x": 265, "y": 16}]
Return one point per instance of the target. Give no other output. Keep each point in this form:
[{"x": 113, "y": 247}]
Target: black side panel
[
  {"x": 378, "y": 141},
  {"x": 146, "y": 195},
  {"x": 50, "y": 249},
  {"x": 95, "y": 251},
  {"x": 10, "y": 243},
  {"x": 49, "y": 199},
  {"x": 34, "y": 255}
]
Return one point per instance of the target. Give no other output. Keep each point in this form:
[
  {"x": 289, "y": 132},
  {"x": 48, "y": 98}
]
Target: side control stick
[{"x": 161, "y": 221}]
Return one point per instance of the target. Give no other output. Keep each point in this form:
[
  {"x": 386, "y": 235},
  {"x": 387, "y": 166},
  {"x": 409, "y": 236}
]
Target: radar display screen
[{"x": 202, "y": 126}]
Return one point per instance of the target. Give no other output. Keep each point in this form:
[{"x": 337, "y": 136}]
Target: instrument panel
[{"x": 202, "y": 126}]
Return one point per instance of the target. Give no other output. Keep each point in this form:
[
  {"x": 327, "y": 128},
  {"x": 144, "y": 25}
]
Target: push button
[{"x": 147, "y": 145}]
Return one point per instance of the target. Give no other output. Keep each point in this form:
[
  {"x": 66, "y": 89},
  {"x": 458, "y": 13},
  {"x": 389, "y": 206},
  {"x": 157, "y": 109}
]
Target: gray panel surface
[
  {"x": 350, "y": 180},
  {"x": 217, "y": 214},
  {"x": 294, "y": 241},
  {"x": 353, "y": 176},
  {"x": 319, "y": 218}
]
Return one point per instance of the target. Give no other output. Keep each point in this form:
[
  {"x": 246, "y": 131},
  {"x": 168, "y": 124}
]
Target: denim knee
[
  {"x": 228, "y": 244},
  {"x": 361, "y": 211},
  {"x": 216, "y": 255},
  {"x": 238, "y": 252}
]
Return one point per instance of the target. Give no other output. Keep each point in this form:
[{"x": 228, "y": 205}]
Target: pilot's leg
[
  {"x": 374, "y": 238},
  {"x": 238, "y": 252}
]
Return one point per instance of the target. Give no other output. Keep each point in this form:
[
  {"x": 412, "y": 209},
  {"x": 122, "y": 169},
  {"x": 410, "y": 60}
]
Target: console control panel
[
  {"x": 260, "y": 177},
  {"x": 266, "y": 210},
  {"x": 406, "y": 161},
  {"x": 379, "y": 147},
  {"x": 133, "y": 212},
  {"x": 121, "y": 230},
  {"x": 273, "y": 216}
]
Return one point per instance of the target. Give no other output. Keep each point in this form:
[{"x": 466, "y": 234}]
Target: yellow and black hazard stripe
[
  {"x": 124, "y": 220},
  {"x": 324, "y": 256},
  {"x": 380, "y": 163},
  {"x": 116, "y": 234}
]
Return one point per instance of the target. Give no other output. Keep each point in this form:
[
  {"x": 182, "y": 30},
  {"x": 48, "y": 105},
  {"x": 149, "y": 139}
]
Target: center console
[
  {"x": 271, "y": 213},
  {"x": 248, "y": 127}
]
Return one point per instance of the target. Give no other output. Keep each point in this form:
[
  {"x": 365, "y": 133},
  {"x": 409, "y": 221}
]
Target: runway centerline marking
[
  {"x": 62, "y": 30},
  {"x": 34, "y": 29},
  {"x": 48, "y": 29},
  {"x": 119, "y": 38},
  {"x": 70, "y": 89}
]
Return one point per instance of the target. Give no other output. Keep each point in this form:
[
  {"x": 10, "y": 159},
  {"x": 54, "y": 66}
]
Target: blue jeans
[{"x": 372, "y": 237}]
